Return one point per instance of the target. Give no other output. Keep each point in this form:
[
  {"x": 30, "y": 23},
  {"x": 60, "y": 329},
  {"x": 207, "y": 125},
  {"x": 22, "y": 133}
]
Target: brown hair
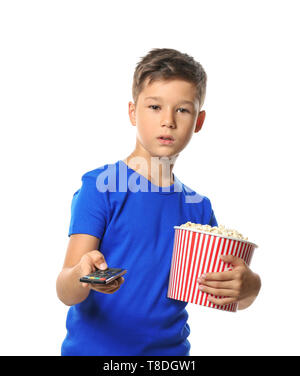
[{"x": 165, "y": 64}]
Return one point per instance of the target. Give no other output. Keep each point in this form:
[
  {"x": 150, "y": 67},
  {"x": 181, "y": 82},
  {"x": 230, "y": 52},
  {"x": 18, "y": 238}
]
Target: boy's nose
[{"x": 169, "y": 124}]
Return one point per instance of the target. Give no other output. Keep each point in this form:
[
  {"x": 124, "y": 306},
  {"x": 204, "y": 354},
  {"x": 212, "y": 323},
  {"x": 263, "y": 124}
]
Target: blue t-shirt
[{"x": 134, "y": 219}]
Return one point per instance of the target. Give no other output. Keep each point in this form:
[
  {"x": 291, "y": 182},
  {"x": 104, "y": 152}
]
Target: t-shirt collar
[{"x": 152, "y": 188}]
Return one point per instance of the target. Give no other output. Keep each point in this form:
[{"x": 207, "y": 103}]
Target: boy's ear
[
  {"x": 131, "y": 112},
  {"x": 200, "y": 121}
]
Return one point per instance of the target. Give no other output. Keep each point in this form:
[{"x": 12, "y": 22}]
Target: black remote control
[{"x": 103, "y": 277}]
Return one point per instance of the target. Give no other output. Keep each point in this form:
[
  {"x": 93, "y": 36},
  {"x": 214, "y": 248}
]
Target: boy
[{"x": 128, "y": 223}]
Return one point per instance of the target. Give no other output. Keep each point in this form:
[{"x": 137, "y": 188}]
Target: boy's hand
[
  {"x": 88, "y": 264},
  {"x": 239, "y": 284}
]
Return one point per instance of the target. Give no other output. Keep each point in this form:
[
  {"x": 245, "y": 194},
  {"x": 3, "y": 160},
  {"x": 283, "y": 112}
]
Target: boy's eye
[
  {"x": 153, "y": 106},
  {"x": 184, "y": 110}
]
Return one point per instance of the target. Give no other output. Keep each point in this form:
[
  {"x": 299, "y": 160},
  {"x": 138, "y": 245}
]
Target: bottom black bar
[{"x": 142, "y": 365}]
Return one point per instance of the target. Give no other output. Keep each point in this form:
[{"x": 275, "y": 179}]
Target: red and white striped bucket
[{"x": 196, "y": 252}]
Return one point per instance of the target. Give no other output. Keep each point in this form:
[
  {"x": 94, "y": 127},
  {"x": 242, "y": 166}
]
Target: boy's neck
[{"x": 158, "y": 170}]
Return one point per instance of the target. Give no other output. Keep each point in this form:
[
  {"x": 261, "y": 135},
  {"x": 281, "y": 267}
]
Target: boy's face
[{"x": 168, "y": 115}]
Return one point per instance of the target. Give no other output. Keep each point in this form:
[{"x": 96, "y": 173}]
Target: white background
[{"x": 66, "y": 72}]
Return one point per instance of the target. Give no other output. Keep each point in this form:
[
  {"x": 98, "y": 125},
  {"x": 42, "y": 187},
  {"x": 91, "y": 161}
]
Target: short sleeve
[
  {"x": 213, "y": 222},
  {"x": 89, "y": 209}
]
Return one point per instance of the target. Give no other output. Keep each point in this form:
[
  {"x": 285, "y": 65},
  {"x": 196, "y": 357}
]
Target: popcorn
[{"x": 220, "y": 230}]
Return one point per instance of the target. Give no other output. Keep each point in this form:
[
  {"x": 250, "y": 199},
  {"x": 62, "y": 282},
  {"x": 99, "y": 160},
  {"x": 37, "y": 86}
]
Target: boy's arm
[
  {"x": 69, "y": 290},
  {"x": 246, "y": 302}
]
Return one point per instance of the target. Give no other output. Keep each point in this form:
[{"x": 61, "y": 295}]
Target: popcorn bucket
[{"x": 196, "y": 252}]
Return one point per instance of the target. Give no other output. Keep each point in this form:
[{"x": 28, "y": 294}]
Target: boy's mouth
[{"x": 166, "y": 139}]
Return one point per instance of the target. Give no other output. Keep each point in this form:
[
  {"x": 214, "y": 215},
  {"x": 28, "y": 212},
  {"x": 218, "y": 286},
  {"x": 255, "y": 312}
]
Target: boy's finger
[
  {"x": 234, "y": 260},
  {"x": 100, "y": 285},
  {"x": 222, "y": 301},
  {"x": 102, "y": 265},
  {"x": 217, "y": 284},
  {"x": 105, "y": 287},
  {"x": 98, "y": 259},
  {"x": 218, "y": 276},
  {"x": 113, "y": 286},
  {"x": 217, "y": 292}
]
